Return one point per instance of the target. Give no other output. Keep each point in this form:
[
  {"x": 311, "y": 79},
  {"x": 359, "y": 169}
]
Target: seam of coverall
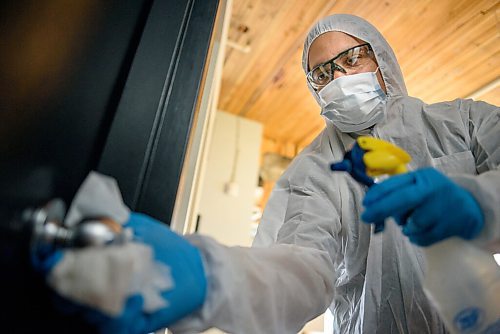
[{"x": 309, "y": 189}]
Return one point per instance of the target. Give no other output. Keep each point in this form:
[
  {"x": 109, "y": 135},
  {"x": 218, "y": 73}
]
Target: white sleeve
[
  {"x": 484, "y": 129},
  {"x": 276, "y": 289}
]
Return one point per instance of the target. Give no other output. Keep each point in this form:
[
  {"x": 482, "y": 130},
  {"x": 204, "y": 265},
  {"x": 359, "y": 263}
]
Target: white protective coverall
[{"x": 312, "y": 251}]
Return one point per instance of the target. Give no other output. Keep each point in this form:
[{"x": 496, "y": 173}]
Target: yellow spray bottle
[{"x": 461, "y": 280}]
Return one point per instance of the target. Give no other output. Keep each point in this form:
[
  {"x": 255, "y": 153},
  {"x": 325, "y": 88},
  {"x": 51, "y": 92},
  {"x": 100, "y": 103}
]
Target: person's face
[{"x": 330, "y": 44}]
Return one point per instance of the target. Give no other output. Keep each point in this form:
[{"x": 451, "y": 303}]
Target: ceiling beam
[{"x": 484, "y": 89}]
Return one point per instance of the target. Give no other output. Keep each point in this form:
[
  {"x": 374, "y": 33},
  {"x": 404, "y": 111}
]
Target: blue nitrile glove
[
  {"x": 171, "y": 249},
  {"x": 429, "y": 205},
  {"x": 186, "y": 266}
]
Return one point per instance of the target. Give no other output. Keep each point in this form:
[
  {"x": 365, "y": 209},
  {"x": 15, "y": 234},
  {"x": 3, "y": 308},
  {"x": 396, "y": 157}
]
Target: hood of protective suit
[{"x": 360, "y": 28}]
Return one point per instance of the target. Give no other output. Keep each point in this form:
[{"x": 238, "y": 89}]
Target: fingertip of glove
[
  {"x": 45, "y": 263},
  {"x": 369, "y": 197}
]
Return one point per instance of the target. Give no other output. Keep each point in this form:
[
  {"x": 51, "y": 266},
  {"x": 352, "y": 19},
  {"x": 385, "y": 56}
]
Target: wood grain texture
[{"x": 447, "y": 49}]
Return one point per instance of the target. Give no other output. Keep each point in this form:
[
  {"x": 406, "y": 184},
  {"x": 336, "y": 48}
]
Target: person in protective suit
[{"x": 314, "y": 249}]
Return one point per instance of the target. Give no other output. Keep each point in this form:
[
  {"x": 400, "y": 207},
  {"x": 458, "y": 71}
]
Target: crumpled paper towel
[
  {"x": 98, "y": 196},
  {"x": 104, "y": 277}
]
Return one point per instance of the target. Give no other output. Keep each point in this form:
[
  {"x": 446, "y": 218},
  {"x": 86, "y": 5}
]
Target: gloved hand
[
  {"x": 171, "y": 249},
  {"x": 428, "y": 204},
  {"x": 186, "y": 266}
]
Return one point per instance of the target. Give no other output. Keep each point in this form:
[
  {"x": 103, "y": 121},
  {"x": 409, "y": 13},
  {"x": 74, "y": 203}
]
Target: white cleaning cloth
[{"x": 104, "y": 277}]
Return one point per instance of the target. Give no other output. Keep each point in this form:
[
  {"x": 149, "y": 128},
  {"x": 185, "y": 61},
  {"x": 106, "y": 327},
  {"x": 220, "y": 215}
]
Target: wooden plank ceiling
[{"x": 446, "y": 49}]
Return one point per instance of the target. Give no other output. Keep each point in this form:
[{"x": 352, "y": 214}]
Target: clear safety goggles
[{"x": 349, "y": 62}]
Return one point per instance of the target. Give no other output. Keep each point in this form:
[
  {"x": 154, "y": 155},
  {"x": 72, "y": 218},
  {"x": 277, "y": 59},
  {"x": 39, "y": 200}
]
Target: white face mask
[{"x": 353, "y": 102}]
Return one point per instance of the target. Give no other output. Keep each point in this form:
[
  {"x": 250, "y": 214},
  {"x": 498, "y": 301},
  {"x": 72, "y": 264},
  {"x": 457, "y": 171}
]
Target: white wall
[
  {"x": 227, "y": 218},
  {"x": 234, "y": 151}
]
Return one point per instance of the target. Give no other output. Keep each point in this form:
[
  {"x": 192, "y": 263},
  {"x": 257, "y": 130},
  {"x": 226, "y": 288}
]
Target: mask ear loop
[{"x": 378, "y": 68}]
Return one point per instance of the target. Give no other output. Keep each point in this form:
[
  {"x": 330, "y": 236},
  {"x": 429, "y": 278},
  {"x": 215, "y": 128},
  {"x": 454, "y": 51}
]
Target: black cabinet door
[
  {"x": 91, "y": 85},
  {"x": 149, "y": 135}
]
